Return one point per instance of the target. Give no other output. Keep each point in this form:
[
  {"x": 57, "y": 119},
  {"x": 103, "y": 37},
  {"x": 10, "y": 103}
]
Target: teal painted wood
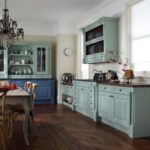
[
  {"x": 109, "y": 38},
  {"x": 114, "y": 104},
  {"x": 104, "y": 105},
  {"x": 4, "y": 73},
  {"x": 121, "y": 109},
  {"x": 85, "y": 98},
  {"x": 17, "y": 53}
]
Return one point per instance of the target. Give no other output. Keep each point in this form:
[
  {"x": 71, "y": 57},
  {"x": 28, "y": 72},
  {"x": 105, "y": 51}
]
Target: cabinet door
[
  {"x": 121, "y": 109},
  {"x": 41, "y": 59},
  {"x": 104, "y": 105},
  {"x": 45, "y": 91},
  {"x": 3, "y": 63}
]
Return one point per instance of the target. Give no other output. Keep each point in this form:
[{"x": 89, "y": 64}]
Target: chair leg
[{"x": 33, "y": 123}]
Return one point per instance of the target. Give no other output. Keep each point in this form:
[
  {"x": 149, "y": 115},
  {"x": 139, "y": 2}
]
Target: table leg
[{"x": 26, "y": 125}]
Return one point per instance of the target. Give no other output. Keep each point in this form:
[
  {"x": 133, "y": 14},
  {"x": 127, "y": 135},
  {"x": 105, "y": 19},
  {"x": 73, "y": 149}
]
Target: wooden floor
[{"x": 59, "y": 128}]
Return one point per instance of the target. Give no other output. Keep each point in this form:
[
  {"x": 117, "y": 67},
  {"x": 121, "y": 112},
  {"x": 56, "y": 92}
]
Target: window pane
[
  {"x": 140, "y": 35},
  {"x": 140, "y": 14}
]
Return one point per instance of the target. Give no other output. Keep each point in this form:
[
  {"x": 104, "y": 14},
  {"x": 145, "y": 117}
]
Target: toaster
[{"x": 99, "y": 77}]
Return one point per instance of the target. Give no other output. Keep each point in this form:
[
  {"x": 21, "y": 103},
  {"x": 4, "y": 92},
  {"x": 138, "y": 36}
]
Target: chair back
[
  {"x": 3, "y": 92},
  {"x": 28, "y": 86},
  {"x": 34, "y": 92}
]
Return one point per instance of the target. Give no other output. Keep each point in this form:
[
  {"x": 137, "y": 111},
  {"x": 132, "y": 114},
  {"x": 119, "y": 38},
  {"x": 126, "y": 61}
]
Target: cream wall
[{"x": 65, "y": 63}]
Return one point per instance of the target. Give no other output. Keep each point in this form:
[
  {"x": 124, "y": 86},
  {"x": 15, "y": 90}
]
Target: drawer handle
[
  {"x": 110, "y": 96},
  {"x": 105, "y": 88},
  {"x": 120, "y": 90}
]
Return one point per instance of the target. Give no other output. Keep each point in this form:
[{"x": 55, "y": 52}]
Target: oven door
[{"x": 3, "y": 63}]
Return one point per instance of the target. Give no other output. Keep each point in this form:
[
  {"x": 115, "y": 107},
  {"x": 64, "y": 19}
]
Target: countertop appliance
[
  {"x": 68, "y": 77},
  {"x": 99, "y": 77}
]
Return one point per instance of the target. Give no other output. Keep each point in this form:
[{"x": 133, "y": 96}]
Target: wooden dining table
[{"x": 20, "y": 96}]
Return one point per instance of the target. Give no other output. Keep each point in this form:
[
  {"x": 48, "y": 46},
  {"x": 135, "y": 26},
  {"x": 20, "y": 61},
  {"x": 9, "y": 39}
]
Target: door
[
  {"x": 121, "y": 109},
  {"x": 104, "y": 105}
]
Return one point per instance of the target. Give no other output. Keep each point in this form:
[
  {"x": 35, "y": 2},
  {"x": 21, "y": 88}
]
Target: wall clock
[{"x": 67, "y": 51}]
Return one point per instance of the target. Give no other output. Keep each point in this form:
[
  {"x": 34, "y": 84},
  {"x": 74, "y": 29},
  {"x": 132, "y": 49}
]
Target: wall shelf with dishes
[
  {"x": 101, "y": 39},
  {"x": 29, "y": 59}
]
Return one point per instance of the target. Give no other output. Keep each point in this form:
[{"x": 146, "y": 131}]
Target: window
[
  {"x": 140, "y": 35},
  {"x": 84, "y": 67}
]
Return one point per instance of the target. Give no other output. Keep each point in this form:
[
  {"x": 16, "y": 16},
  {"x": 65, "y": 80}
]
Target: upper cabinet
[
  {"x": 3, "y": 63},
  {"x": 101, "y": 41},
  {"x": 29, "y": 60}
]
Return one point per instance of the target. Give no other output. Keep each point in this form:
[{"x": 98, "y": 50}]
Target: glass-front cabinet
[
  {"x": 29, "y": 61},
  {"x": 101, "y": 41},
  {"x": 3, "y": 63}
]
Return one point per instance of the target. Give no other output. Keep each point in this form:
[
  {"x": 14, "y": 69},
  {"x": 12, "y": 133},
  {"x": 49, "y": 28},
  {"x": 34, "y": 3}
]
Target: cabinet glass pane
[
  {"x": 94, "y": 33},
  {"x": 1, "y": 60},
  {"x": 95, "y": 48},
  {"x": 41, "y": 59}
]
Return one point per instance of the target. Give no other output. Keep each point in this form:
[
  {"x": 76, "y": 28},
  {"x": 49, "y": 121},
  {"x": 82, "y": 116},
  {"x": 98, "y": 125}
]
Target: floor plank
[{"x": 59, "y": 128}]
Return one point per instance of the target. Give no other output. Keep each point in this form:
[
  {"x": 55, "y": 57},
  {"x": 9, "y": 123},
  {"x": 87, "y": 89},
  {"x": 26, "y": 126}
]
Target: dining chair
[
  {"x": 4, "y": 118},
  {"x": 28, "y": 86}
]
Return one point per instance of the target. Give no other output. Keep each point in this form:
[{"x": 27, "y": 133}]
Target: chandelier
[{"x": 9, "y": 30}]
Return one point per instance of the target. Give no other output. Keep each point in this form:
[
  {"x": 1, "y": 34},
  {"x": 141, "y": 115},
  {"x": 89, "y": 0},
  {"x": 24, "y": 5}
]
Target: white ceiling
[{"x": 49, "y": 10}]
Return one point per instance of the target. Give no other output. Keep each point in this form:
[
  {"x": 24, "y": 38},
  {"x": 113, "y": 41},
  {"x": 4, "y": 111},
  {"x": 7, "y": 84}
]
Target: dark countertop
[
  {"x": 67, "y": 83},
  {"x": 133, "y": 84}
]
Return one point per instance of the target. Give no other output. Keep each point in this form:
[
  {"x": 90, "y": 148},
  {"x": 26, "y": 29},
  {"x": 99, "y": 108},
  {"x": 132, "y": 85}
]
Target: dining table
[{"x": 21, "y": 97}]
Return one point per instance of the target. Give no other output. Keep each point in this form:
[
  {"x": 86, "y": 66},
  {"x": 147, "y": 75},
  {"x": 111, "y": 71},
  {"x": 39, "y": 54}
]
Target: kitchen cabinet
[
  {"x": 29, "y": 60},
  {"x": 3, "y": 63},
  {"x": 85, "y": 95},
  {"x": 114, "y": 104},
  {"x": 67, "y": 93},
  {"x": 125, "y": 108},
  {"x": 101, "y": 41},
  {"x": 46, "y": 91}
]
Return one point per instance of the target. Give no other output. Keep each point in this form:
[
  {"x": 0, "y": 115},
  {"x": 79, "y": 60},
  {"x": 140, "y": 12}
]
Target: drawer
[
  {"x": 104, "y": 88},
  {"x": 121, "y": 90}
]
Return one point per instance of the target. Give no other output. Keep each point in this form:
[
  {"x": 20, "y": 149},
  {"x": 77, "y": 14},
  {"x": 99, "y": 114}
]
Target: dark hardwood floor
[{"x": 59, "y": 128}]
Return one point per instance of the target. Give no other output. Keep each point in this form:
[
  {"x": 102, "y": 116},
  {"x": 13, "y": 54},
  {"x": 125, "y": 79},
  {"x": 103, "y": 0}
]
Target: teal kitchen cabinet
[
  {"x": 3, "y": 63},
  {"x": 67, "y": 93},
  {"x": 29, "y": 60},
  {"x": 125, "y": 108},
  {"x": 114, "y": 104},
  {"x": 85, "y": 98},
  {"x": 101, "y": 41}
]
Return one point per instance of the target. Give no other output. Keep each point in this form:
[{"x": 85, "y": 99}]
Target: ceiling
[{"x": 49, "y": 10}]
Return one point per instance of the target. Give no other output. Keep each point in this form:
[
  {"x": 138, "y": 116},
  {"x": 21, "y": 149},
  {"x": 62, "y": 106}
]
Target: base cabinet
[
  {"x": 67, "y": 93},
  {"x": 46, "y": 91},
  {"x": 114, "y": 105},
  {"x": 85, "y": 95}
]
